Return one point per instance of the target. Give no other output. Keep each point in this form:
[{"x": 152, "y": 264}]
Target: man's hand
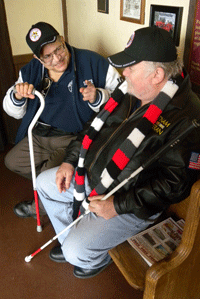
[
  {"x": 89, "y": 93},
  {"x": 24, "y": 90},
  {"x": 64, "y": 176},
  {"x": 102, "y": 208}
]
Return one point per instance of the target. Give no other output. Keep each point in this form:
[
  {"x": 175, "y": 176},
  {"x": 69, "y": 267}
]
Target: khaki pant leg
[
  {"x": 57, "y": 148},
  {"x": 18, "y": 159},
  {"x": 49, "y": 152}
]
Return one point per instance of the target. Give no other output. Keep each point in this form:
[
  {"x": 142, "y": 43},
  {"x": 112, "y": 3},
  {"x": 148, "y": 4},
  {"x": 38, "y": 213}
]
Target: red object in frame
[{"x": 194, "y": 70}]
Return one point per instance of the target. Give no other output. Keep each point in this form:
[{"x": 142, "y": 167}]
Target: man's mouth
[{"x": 59, "y": 64}]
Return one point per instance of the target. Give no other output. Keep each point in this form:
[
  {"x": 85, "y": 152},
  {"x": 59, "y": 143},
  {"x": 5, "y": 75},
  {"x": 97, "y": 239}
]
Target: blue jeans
[{"x": 85, "y": 244}]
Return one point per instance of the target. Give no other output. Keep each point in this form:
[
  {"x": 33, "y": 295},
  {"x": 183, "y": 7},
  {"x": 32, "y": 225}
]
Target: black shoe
[
  {"x": 56, "y": 255},
  {"x": 88, "y": 273},
  {"x": 26, "y": 209},
  {"x": 23, "y": 210}
]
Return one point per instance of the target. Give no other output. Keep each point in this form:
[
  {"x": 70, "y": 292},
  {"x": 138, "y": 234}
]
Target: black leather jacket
[{"x": 166, "y": 181}]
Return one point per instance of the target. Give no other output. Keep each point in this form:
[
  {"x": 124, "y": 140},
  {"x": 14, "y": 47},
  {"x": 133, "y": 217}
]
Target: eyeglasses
[
  {"x": 47, "y": 59},
  {"x": 45, "y": 85}
]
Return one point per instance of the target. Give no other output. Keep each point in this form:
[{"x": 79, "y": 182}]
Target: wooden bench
[{"x": 178, "y": 275}]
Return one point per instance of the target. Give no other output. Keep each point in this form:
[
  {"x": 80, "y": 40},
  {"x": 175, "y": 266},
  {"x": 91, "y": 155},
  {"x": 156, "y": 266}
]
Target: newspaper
[{"x": 158, "y": 241}]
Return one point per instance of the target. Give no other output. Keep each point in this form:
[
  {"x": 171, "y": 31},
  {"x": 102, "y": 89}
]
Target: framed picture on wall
[
  {"x": 192, "y": 47},
  {"x": 132, "y": 11},
  {"x": 102, "y": 6},
  {"x": 168, "y": 18}
]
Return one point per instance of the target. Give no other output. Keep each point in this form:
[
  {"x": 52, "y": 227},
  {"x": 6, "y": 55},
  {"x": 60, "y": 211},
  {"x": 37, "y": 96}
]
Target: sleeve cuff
[
  {"x": 98, "y": 99},
  {"x": 15, "y": 101}
]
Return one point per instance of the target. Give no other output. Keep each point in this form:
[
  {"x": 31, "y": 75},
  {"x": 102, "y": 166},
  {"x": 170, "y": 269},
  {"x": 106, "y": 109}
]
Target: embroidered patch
[
  {"x": 194, "y": 162},
  {"x": 130, "y": 40},
  {"x": 70, "y": 86},
  {"x": 35, "y": 34},
  {"x": 160, "y": 125}
]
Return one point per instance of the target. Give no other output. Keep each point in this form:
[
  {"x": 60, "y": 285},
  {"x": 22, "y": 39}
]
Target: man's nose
[{"x": 56, "y": 57}]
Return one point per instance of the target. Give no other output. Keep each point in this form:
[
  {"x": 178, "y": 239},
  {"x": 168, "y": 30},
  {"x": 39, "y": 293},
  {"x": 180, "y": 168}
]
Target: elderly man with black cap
[
  {"x": 129, "y": 129},
  {"x": 75, "y": 84}
]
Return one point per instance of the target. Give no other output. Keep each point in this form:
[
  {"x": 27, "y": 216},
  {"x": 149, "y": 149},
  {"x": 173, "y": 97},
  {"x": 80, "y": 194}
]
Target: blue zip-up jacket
[{"x": 64, "y": 105}]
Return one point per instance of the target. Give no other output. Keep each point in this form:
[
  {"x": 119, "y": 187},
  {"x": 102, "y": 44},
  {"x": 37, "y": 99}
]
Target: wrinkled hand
[
  {"x": 89, "y": 93},
  {"x": 102, "y": 208},
  {"x": 64, "y": 176},
  {"x": 24, "y": 90}
]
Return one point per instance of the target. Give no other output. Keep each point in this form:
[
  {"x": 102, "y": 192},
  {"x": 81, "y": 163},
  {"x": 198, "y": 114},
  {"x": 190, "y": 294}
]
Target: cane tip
[
  {"x": 39, "y": 229},
  {"x": 28, "y": 259}
]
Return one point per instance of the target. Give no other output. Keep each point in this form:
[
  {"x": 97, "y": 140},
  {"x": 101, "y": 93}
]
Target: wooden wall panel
[
  {"x": 20, "y": 61},
  {"x": 11, "y": 124}
]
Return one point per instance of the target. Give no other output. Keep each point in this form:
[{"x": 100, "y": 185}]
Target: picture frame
[
  {"x": 192, "y": 46},
  {"x": 168, "y": 18},
  {"x": 132, "y": 11},
  {"x": 102, "y": 6}
]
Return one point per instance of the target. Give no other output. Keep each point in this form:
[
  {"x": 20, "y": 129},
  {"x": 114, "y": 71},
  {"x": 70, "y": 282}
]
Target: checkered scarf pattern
[{"x": 127, "y": 149}]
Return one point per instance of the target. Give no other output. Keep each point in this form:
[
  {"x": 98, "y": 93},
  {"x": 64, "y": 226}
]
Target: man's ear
[{"x": 159, "y": 76}]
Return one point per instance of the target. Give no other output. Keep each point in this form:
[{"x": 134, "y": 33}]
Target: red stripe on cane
[
  {"x": 79, "y": 179},
  {"x": 37, "y": 207},
  {"x": 36, "y": 252},
  {"x": 93, "y": 193},
  {"x": 120, "y": 159},
  {"x": 86, "y": 142},
  {"x": 152, "y": 113},
  {"x": 110, "y": 105}
]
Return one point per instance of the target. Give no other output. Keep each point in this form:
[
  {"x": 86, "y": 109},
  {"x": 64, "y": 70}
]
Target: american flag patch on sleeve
[{"x": 194, "y": 162}]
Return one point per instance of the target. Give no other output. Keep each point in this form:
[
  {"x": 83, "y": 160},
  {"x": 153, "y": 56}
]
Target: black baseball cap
[
  {"x": 146, "y": 44},
  {"x": 39, "y": 35}
]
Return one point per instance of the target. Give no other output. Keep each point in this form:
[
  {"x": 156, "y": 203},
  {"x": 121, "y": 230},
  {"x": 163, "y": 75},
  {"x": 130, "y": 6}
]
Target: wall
[
  {"x": 22, "y": 14},
  {"x": 106, "y": 33},
  {"x": 87, "y": 28}
]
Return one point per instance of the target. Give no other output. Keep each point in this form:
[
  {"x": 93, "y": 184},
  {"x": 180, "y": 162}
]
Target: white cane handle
[{"x": 15, "y": 90}]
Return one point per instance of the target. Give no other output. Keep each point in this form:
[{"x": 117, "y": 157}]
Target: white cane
[
  {"x": 152, "y": 159},
  {"x": 32, "y": 159},
  {"x": 31, "y": 150}
]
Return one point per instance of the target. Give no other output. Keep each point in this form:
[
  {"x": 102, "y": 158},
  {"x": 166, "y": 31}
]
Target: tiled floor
[{"x": 43, "y": 278}]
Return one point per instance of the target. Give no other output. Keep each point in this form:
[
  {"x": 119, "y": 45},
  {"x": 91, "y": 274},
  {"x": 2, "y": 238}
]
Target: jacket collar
[{"x": 181, "y": 97}]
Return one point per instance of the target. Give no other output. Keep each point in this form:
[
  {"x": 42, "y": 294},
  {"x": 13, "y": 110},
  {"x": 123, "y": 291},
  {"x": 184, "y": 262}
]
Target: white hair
[{"x": 171, "y": 69}]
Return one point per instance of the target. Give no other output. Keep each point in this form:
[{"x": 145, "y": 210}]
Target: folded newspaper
[{"x": 158, "y": 241}]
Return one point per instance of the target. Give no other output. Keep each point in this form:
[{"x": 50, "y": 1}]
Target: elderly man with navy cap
[
  {"x": 75, "y": 84},
  {"x": 129, "y": 129}
]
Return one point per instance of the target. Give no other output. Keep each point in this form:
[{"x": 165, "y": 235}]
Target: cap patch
[
  {"x": 130, "y": 40},
  {"x": 35, "y": 34}
]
